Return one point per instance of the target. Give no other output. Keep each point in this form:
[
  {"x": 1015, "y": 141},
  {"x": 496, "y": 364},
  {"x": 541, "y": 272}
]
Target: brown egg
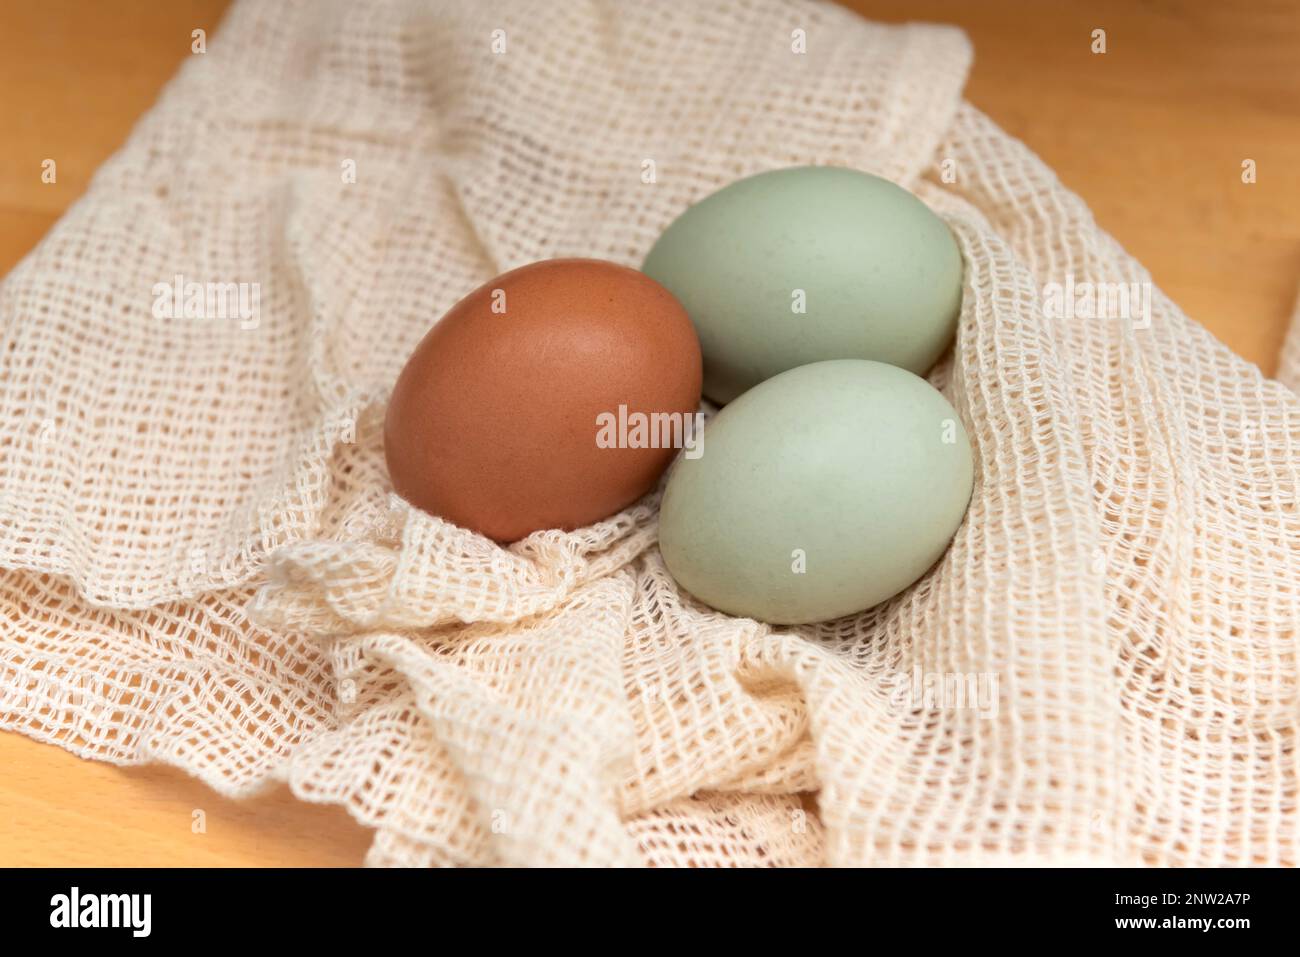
[{"x": 494, "y": 421}]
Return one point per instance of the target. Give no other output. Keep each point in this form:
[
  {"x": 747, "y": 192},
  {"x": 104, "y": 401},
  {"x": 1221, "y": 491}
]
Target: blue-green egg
[
  {"x": 819, "y": 493},
  {"x": 810, "y": 263}
]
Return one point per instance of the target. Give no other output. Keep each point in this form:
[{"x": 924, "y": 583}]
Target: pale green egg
[
  {"x": 819, "y": 493},
  {"x": 810, "y": 263}
]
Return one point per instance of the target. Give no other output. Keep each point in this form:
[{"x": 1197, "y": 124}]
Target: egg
[
  {"x": 519, "y": 410},
  {"x": 819, "y": 493},
  {"x": 810, "y": 263}
]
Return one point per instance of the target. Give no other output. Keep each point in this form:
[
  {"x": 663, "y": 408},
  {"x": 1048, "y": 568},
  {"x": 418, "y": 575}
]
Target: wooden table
[{"x": 1152, "y": 134}]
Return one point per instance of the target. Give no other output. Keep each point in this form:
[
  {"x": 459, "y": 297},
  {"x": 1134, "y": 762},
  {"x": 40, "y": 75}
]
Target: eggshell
[
  {"x": 821, "y": 492},
  {"x": 810, "y": 263},
  {"x": 493, "y": 422}
]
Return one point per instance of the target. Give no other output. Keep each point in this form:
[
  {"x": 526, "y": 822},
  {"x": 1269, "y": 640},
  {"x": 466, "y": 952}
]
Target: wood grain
[{"x": 1152, "y": 134}]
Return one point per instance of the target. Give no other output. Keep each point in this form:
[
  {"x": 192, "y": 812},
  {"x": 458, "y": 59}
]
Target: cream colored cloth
[{"x": 205, "y": 565}]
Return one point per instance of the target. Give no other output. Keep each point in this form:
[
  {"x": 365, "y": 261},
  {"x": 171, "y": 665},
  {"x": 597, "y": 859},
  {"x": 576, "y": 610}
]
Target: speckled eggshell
[
  {"x": 493, "y": 422},
  {"x": 819, "y": 493},
  {"x": 810, "y": 263}
]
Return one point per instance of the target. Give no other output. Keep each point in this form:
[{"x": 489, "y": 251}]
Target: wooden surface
[{"x": 1152, "y": 134}]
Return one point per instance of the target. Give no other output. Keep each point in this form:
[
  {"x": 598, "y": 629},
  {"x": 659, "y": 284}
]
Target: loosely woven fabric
[{"x": 204, "y": 565}]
